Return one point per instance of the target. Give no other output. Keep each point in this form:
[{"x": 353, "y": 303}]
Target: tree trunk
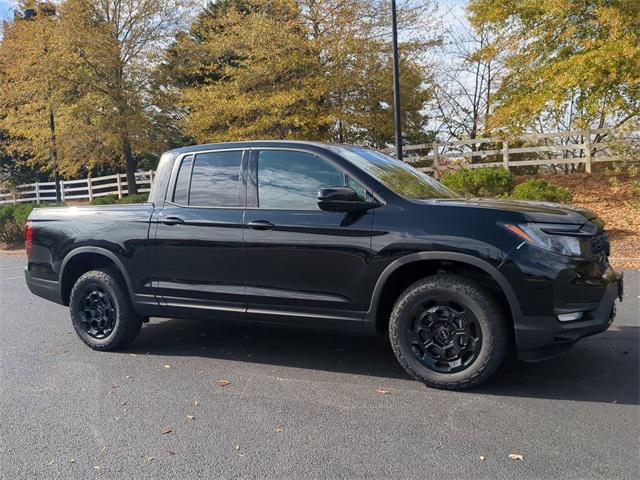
[{"x": 130, "y": 163}]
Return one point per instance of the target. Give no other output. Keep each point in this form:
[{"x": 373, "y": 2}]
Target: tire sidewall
[{"x": 480, "y": 307}]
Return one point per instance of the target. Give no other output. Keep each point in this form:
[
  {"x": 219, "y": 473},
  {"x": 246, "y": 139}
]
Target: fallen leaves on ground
[
  {"x": 482, "y": 458},
  {"x": 191, "y": 417},
  {"x": 167, "y": 431},
  {"x": 279, "y": 430},
  {"x": 167, "y": 366},
  {"x": 223, "y": 383},
  {"x": 381, "y": 391},
  {"x": 516, "y": 456}
]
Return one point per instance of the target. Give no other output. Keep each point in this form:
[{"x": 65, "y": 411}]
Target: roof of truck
[{"x": 259, "y": 143}]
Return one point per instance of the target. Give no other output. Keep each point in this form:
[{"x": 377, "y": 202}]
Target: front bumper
[
  {"x": 49, "y": 289},
  {"x": 540, "y": 337}
]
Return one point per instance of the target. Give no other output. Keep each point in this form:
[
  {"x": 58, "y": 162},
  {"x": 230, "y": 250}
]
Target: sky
[{"x": 6, "y": 9}]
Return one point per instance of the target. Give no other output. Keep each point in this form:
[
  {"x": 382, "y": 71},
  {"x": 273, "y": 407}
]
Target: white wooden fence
[
  {"x": 562, "y": 148},
  {"x": 551, "y": 149},
  {"x": 85, "y": 189}
]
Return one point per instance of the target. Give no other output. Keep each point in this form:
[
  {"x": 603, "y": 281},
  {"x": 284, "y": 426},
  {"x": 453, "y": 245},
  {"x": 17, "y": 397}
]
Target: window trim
[
  {"x": 193, "y": 161},
  {"x": 253, "y": 200},
  {"x": 242, "y": 184}
]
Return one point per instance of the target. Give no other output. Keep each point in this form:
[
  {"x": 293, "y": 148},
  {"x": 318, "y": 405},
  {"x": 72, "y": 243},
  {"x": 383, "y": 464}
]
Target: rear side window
[
  {"x": 215, "y": 179},
  {"x": 183, "y": 182},
  {"x": 291, "y": 180}
]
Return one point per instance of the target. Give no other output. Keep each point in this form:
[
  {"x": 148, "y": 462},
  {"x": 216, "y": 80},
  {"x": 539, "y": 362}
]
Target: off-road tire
[
  {"x": 490, "y": 318},
  {"x": 127, "y": 323}
]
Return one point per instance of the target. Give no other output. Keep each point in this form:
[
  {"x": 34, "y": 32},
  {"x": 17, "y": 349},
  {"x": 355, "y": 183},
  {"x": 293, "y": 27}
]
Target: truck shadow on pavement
[{"x": 603, "y": 368}]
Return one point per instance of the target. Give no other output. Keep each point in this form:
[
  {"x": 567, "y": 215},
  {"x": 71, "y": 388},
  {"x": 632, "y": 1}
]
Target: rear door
[
  {"x": 199, "y": 256},
  {"x": 304, "y": 265}
]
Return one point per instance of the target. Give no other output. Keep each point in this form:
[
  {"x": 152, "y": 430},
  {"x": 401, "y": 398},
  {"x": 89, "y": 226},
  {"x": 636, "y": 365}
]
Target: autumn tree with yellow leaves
[
  {"x": 564, "y": 58},
  {"x": 306, "y": 69}
]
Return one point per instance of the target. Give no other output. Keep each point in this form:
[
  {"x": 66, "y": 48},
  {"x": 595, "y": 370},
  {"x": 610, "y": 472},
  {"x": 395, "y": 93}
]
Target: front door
[
  {"x": 304, "y": 265},
  {"x": 198, "y": 249}
]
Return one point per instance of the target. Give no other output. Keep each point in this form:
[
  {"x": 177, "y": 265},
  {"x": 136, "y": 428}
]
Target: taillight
[{"x": 28, "y": 238}]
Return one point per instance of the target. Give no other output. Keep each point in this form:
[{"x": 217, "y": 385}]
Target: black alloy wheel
[
  {"x": 444, "y": 336},
  {"x": 98, "y": 313}
]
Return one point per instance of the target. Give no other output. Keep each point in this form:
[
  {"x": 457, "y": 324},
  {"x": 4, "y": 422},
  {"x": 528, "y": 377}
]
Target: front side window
[
  {"x": 289, "y": 179},
  {"x": 215, "y": 179}
]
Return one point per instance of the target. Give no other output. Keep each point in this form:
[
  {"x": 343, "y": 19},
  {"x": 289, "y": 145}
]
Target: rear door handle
[
  {"x": 261, "y": 225},
  {"x": 172, "y": 221}
]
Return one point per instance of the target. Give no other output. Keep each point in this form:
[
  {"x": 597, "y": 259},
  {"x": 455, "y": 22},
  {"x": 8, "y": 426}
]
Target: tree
[
  {"x": 281, "y": 69},
  {"x": 573, "y": 60},
  {"x": 466, "y": 82},
  {"x": 34, "y": 96},
  {"x": 352, "y": 41},
  {"x": 259, "y": 80},
  {"x": 113, "y": 44}
]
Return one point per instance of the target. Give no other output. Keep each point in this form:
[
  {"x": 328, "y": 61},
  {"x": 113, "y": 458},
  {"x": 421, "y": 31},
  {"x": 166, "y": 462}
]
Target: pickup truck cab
[{"x": 312, "y": 234}]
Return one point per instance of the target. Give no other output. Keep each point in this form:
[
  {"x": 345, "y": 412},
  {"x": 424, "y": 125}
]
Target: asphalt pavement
[{"x": 199, "y": 399}]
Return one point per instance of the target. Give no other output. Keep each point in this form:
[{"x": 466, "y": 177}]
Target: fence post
[
  {"x": 89, "y": 188},
  {"x": 586, "y": 134},
  {"x": 119, "y": 180},
  {"x": 150, "y": 178},
  {"x": 37, "y": 192},
  {"x": 505, "y": 154},
  {"x": 62, "y": 190},
  {"x": 436, "y": 161}
]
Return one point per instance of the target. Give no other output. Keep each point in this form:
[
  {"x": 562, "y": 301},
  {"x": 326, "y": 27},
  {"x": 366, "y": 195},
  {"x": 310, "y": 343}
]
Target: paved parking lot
[{"x": 299, "y": 403}]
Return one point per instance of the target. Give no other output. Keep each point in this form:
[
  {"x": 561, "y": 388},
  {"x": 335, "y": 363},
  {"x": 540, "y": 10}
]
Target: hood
[{"x": 540, "y": 212}]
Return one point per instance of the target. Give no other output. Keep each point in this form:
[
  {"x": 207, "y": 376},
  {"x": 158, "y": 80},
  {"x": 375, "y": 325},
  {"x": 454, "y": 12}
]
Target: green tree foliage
[{"x": 582, "y": 53}]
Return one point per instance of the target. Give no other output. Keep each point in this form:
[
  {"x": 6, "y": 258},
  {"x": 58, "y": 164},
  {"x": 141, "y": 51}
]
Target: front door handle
[
  {"x": 261, "y": 225},
  {"x": 172, "y": 221}
]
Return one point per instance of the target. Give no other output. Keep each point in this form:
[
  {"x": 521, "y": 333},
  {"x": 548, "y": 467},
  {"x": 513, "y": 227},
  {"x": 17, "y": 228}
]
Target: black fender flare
[
  {"x": 99, "y": 251},
  {"x": 492, "y": 271}
]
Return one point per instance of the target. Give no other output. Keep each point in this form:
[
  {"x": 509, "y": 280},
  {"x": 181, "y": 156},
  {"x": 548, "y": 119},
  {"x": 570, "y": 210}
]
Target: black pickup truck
[{"x": 312, "y": 234}]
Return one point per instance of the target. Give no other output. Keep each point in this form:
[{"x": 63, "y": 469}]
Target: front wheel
[
  {"x": 101, "y": 310},
  {"x": 448, "y": 332}
]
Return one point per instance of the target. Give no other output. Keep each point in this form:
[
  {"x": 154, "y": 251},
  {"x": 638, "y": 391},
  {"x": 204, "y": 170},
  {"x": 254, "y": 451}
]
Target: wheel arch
[
  {"x": 84, "y": 259},
  {"x": 375, "y": 316}
]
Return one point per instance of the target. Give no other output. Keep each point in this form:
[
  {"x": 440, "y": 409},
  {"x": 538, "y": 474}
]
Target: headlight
[{"x": 549, "y": 236}]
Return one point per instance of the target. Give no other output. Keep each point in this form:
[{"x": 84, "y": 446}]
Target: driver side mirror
[{"x": 342, "y": 199}]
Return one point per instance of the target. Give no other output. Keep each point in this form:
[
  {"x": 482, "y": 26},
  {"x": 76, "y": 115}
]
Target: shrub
[
  {"x": 12, "y": 221},
  {"x": 113, "y": 199},
  {"x": 480, "y": 182},
  {"x": 538, "y": 189},
  {"x": 11, "y": 232}
]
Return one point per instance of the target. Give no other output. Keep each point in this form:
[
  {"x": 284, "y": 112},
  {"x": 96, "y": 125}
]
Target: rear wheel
[
  {"x": 101, "y": 310},
  {"x": 448, "y": 332}
]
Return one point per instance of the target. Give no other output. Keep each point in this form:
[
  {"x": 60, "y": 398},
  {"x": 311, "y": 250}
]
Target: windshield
[{"x": 398, "y": 176}]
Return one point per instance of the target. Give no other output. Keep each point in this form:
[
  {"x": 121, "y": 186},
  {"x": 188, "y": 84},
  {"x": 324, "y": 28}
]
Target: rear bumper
[
  {"x": 48, "y": 289},
  {"x": 540, "y": 337}
]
